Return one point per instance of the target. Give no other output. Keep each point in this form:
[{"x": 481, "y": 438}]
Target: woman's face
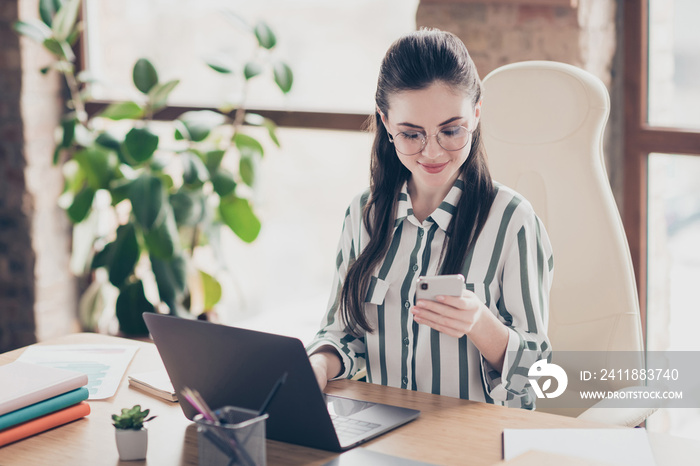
[{"x": 437, "y": 109}]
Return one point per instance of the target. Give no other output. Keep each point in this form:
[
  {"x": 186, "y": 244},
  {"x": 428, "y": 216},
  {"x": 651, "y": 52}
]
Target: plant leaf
[
  {"x": 131, "y": 305},
  {"x": 75, "y": 34},
  {"x": 35, "y": 30},
  {"x": 109, "y": 141},
  {"x": 158, "y": 95},
  {"x": 64, "y": 20},
  {"x": 123, "y": 111},
  {"x": 163, "y": 240},
  {"x": 97, "y": 165},
  {"x": 223, "y": 182},
  {"x": 266, "y": 38},
  {"x": 212, "y": 159},
  {"x": 59, "y": 48},
  {"x": 188, "y": 207},
  {"x": 194, "y": 172},
  {"x": 140, "y": 144},
  {"x": 145, "y": 75},
  {"x": 283, "y": 76},
  {"x": 248, "y": 146},
  {"x": 82, "y": 202},
  {"x": 199, "y": 124},
  {"x": 123, "y": 254},
  {"x": 246, "y": 169},
  {"x": 73, "y": 176},
  {"x": 252, "y": 69},
  {"x": 254, "y": 119},
  {"x": 119, "y": 190},
  {"x": 68, "y": 128},
  {"x": 272, "y": 131},
  {"x": 212, "y": 290},
  {"x": 47, "y": 10},
  {"x": 240, "y": 218},
  {"x": 147, "y": 197},
  {"x": 171, "y": 278},
  {"x": 218, "y": 66}
]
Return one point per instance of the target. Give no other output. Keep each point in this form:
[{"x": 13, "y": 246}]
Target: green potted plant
[
  {"x": 167, "y": 196},
  {"x": 130, "y": 433}
]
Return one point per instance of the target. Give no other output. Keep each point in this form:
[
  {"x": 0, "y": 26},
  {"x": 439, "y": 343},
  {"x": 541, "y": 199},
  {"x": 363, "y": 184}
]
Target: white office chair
[{"x": 543, "y": 125}]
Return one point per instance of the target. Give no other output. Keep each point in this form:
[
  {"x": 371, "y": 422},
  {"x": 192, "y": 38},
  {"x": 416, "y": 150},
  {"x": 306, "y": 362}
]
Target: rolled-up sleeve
[
  {"x": 333, "y": 333},
  {"x": 526, "y": 279}
]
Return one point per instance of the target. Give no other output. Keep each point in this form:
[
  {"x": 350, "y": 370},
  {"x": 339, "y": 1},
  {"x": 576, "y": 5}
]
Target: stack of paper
[
  {"x": 156, "y": 383},
  {"x": 36, "y": 398}
]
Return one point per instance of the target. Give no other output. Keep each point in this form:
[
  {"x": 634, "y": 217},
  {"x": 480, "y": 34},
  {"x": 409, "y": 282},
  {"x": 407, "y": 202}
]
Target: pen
[
  {"x": 272, "y": 394},
  {"x": 195, "y": 399}
]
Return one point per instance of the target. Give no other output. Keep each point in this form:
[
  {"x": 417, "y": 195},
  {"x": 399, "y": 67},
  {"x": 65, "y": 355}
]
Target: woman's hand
[
  {"x": 325, "y": 361},
  {"x": 457, "y": 316},
  {"x": 453, "y": 315}
]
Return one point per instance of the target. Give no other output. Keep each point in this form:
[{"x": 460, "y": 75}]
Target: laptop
[{"x": 231, "y": 366}]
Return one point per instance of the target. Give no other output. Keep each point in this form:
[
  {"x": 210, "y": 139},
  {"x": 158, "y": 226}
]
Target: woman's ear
[
  {"x": 477, "y": 112},
  {"x": 383, "y": 117}
]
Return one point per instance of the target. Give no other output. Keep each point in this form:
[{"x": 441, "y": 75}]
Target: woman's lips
[{"x": 433, "y": 167}]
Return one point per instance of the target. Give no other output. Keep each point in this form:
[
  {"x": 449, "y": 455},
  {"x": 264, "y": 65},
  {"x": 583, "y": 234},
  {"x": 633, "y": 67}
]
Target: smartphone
[{"x": 439, "y": 285}]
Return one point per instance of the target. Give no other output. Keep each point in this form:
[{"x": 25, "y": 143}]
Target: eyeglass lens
[{"x": 451, "y": 139}]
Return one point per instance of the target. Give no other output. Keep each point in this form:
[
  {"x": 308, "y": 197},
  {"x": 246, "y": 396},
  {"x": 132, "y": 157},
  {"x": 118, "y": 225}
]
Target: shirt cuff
[
  {"x": 348, "y": 368},
  {"x": 512, "y": 381}
]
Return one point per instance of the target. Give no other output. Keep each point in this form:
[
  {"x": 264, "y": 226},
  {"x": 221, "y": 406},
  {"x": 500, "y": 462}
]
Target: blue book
[{"x": 43, "y": 407}]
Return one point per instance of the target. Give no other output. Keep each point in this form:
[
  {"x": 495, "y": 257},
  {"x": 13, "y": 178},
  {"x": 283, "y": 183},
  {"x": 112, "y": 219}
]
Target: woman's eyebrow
[{"x": 450, "y": 120}]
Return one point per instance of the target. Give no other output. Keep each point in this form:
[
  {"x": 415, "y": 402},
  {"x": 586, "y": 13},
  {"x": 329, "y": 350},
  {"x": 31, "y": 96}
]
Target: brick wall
[
  {"x": 500, "y": 33},
  {"x": 37, "y": 291}
]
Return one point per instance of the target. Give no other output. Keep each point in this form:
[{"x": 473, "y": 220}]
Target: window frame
[{"x": 641, "y": 139}]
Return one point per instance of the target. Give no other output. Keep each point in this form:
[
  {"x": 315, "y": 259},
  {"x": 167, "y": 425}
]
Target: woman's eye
[
  {"x": 452, "y": 132},
  {"x": 412, "y": 135}
]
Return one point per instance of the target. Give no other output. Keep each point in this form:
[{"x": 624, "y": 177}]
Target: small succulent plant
[{"x": 131, "y": 418}]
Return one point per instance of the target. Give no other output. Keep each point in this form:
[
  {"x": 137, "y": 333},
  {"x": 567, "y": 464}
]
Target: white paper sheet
[
  {"x": 625, "y": 446},
  {"x": 104, "y": 365}
]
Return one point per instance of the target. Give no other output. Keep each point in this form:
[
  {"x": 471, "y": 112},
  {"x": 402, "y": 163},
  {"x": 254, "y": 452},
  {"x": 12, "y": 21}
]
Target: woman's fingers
[
  {"x": 452, "y": 327},
  {"x": 453, "y": 315}
]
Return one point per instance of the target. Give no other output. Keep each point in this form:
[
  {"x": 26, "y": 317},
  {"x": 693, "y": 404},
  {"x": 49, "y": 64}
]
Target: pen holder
[{"x": 239, "y": 439}]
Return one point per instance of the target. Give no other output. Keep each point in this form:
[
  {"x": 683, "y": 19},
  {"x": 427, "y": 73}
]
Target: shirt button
[
  {"x": 407, "y": 304},
  {"x": 405, "y": 380},
  {"x": 420, "y": 232},
  {"x": 405, "y": 341},
  {"x": 415, "y": 268}
]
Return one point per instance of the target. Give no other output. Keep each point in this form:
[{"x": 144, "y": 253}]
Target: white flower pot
[{"x": 132, "y": 444}]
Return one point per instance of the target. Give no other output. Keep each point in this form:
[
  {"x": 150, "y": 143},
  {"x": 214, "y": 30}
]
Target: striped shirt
[{"x": 509, "y": 269}]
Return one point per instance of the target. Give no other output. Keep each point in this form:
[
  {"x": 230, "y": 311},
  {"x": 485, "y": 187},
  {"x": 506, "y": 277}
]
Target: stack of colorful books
[{"x": 36, "y": 398}]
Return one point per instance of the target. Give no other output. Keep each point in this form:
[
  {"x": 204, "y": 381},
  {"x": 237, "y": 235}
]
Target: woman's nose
[{"x": 432, "y": 148}]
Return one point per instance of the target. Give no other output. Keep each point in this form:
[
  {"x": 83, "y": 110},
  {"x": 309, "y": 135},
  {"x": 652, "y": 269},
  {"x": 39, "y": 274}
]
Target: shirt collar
[{"x": 442, "y": 215}]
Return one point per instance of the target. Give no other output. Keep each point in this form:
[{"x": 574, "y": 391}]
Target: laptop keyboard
[{"x": 347, "y": 428}]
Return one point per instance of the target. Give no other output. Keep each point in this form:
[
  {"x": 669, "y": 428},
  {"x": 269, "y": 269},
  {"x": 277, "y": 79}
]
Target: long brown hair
[{"x": 415, "y": 61}]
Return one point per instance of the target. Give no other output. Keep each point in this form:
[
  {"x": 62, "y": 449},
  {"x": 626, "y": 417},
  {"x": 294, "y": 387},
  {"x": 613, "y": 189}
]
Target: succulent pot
[{"x": 132, "y": 444}]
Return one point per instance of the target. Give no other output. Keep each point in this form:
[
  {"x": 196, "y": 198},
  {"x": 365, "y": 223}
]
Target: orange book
[{"x": 44, "y": 423}]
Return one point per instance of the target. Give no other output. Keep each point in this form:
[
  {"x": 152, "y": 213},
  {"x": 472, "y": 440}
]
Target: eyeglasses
[{"x": 451, "y": 138}]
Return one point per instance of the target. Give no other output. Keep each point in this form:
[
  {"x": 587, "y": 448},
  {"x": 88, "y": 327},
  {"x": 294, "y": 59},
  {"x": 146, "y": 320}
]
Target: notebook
[
  {"x": 44, "y": 423},
  {"x": 231, "y": 366},
  {"x": 43, "y": 407},
  {"x": 155, "y": 383},
  {"x": 614, "y": 446},
  {"x": 32, "y": 383}
]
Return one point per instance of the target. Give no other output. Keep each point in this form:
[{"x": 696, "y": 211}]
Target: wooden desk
[{"x": 448, "y": 431}]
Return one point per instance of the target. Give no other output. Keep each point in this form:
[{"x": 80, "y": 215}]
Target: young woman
[{"x": 432, "y": 209}]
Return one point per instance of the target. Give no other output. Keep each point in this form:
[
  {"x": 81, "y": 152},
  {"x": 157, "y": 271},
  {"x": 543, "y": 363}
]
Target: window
[
  {"x": 282, "y": 281},
  {"x": 662, "y": 196},
  {"x": 334, "y": 47}
]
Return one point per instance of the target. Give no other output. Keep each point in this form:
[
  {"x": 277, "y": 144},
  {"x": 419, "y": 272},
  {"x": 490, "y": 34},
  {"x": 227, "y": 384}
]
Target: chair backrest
[{"x": 543, "y": 125}]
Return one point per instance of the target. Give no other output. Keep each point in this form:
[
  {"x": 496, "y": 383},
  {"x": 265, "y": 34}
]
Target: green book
[{"x": 43, "y": 407}]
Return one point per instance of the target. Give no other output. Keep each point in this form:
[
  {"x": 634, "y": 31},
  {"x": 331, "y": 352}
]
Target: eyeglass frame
[{"x": 426, "y": 137}]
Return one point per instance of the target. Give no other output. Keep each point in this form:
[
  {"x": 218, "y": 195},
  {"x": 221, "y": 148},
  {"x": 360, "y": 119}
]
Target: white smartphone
[{"x": 439, "y": 285}]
